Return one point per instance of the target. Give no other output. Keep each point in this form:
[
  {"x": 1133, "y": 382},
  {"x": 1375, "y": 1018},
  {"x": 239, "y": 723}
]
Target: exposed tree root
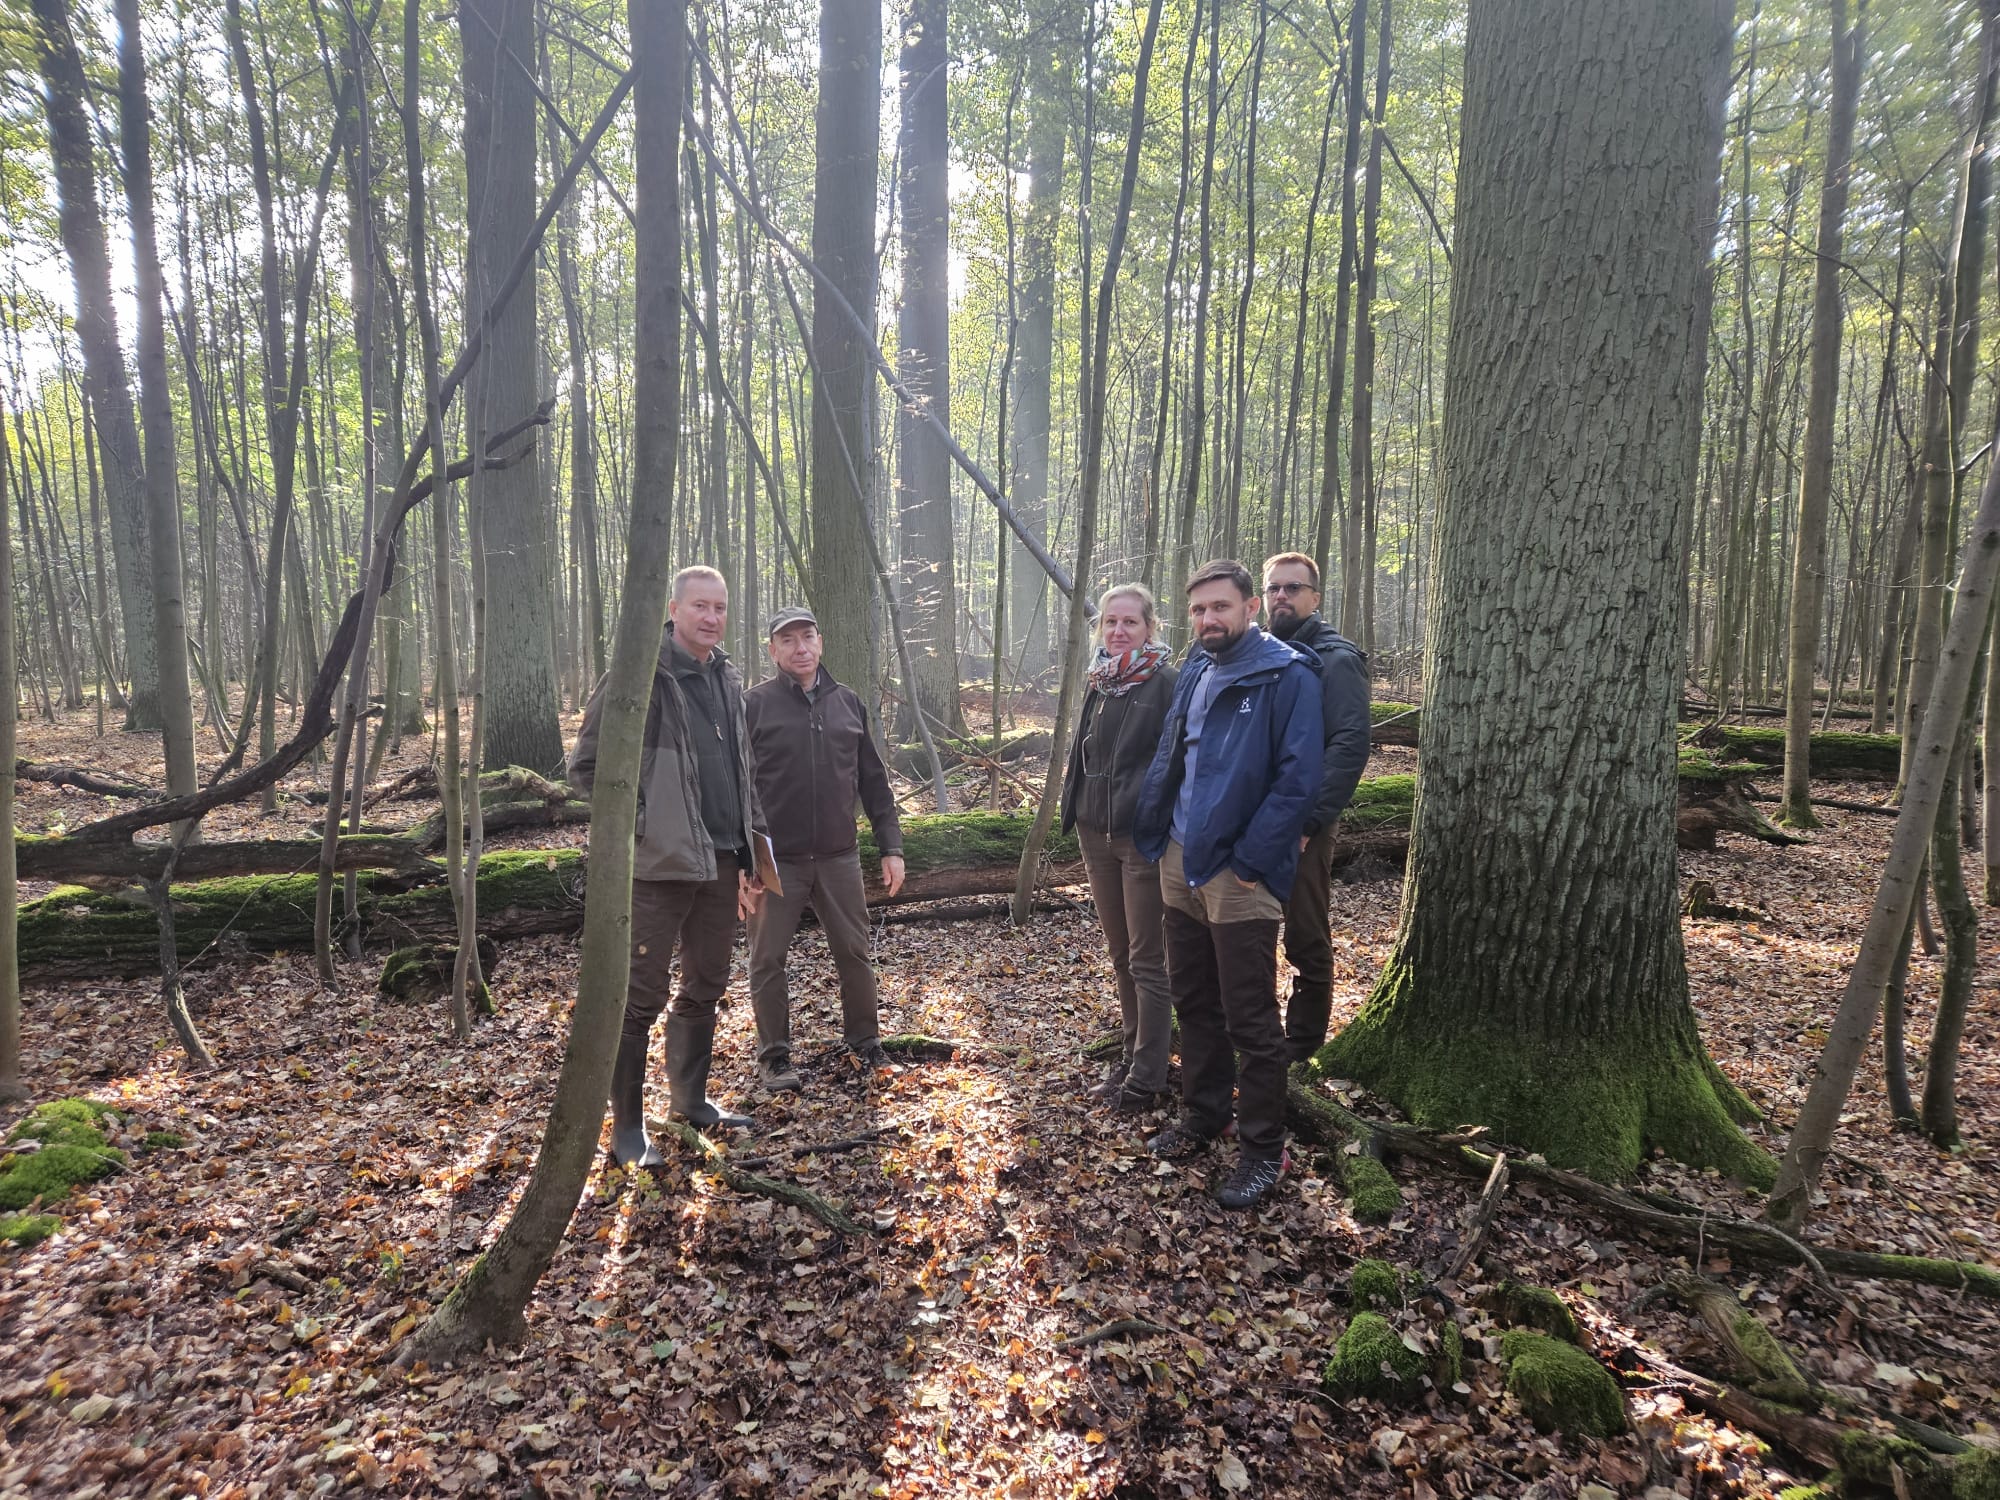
[
  {"x": 740, "y": 1181},
  {"x": 1314, "y": 1115},
  {"x": 1118, "y": 1328}
]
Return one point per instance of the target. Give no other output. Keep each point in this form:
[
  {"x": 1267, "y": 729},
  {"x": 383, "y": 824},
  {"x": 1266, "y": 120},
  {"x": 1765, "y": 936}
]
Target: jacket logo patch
[{"x": 1243, "y": 707}]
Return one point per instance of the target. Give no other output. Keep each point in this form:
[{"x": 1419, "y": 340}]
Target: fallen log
[
  {"x": 1836, "y": 754},
  {"x": 955, "y": 750},
  {"x": 82, "y": 780}
]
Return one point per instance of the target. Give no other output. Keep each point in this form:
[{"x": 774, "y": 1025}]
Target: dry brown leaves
[{"x": 220, "y": 1320}]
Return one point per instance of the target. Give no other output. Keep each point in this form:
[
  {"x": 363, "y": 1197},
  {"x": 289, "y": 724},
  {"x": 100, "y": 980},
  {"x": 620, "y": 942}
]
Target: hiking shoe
[
  {"x": 1107, "y": 1087},
  {"x": 779, "y": 1076},
  {"x": 872, "y": 1057},
  {"x": 1178, "y": 1142},
  {"x": 1252, "y": 1178},
  {"x": 1136, "y": 1101}
]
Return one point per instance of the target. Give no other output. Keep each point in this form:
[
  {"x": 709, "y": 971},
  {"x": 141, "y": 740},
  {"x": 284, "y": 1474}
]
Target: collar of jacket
[
  {"x": 677, "y": 659},
  {"x": 1266, "y": 657},
  {"x": 822, "y": 683}
]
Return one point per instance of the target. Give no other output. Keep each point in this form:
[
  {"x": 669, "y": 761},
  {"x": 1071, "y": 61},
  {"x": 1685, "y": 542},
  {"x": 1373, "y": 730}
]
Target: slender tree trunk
[
  {"x": 1195, "y": 415},
  {"x": 848, "y": 128},
  {"x": 1034, "y": 371},
  {"x": 1538, "y": 984},
  {"x": 1093, "y": 473},
  {"x": 82, "y": 227},
  {"x": 1816, "y": 482},
  {"x": 1232, "y": 499},
  {"x": 1955, "y": 364},
  {"x": 1330, "y": 498},
  {"x": 923, "y": 467},
  {"x": 489, "y": 1303},
  {"x": 1357, "y": 599},
  {"x": 11, "y": 1089}
]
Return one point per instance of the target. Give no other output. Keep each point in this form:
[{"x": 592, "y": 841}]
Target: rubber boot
[
  {"x": 630, "y": 1146},
  {"x": 690, "y": 1042}
]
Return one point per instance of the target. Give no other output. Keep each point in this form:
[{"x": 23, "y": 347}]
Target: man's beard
[
  {"x": 1218, "y": 647},
  {"x": 1284, "y": 622}
]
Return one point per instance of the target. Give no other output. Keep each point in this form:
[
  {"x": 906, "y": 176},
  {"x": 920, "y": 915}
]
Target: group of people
[{"x": 1205, "y": 798}]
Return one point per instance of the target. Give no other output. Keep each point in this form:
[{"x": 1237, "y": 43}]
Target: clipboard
[{"x": 766, "y": 859}]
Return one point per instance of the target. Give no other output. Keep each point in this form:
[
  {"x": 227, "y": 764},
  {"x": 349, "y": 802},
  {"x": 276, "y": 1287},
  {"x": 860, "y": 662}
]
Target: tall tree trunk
[
  {"x": 1357, "y": 597},
  {"x": 1949, "y": 388},
  {"x": 1093, "y": 473},
  {"x": 82, "y": 227},
  {"x": 1034, "y": 370},
  {"x": 847, "y": 132},
  {"x": 1195, "y": 416},
  {"x": 11, "y": 1089},
  {"x": 1232, "y": 500},
  {"x": 923, "y": 466},
  {"x": 1330, "y": 505},
  {"x": 1538, "y": 983},
  {"x": 1816, "y": 480},
  {"x": 490, "y": 1301},
  {"x": 517, "y": 683}
]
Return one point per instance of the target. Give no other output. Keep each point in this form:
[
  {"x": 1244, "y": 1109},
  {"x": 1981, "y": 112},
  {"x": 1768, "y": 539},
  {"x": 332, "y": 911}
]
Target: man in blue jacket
[{"x": 1222, "y": 810}]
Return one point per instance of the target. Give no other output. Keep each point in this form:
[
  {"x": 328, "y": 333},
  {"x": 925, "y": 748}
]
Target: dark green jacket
[{"x": 1115, "y": 740}]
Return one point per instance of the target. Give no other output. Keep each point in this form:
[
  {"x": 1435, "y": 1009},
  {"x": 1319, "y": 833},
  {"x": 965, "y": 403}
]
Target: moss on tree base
[
  {"x": 1874, "y": 1465},
  {"x": 1594, "y": 1107}
]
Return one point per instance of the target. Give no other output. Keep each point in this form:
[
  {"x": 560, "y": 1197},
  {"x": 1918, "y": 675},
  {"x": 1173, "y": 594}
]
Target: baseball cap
[{"x": 796, "y": 614}]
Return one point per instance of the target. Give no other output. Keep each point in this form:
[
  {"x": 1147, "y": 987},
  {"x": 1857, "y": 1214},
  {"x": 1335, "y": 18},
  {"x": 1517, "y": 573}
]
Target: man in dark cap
[{"x": 814, "y": 759}]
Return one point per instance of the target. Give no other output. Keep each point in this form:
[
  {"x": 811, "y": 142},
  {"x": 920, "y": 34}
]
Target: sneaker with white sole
[{"x": 1249, "y": 1181}]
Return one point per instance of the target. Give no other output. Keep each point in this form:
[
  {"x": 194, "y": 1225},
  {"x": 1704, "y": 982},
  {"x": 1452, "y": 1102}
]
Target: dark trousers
[
  {"x": 832, "y": 886},
  {"x": 1225, "y": 982},
  {"x": 699, "y": 916},
  {"x": 1125, "y": 886},
  {"x": 1309, "y": 945}
]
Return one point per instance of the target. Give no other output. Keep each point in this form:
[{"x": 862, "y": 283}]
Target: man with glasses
[{"x": 1291, "y": 604}]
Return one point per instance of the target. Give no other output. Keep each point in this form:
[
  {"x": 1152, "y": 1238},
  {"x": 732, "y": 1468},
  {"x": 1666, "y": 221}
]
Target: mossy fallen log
[
  {"x": 1836, "y": 754},
  {"x": 957, "y": 749},
  {"x": 75, "y": 930}
]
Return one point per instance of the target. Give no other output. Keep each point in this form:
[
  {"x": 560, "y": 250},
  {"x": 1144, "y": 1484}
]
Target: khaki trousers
[
  {"x": 1125, "y": 885},
  {"x": 831, "y": 885}
]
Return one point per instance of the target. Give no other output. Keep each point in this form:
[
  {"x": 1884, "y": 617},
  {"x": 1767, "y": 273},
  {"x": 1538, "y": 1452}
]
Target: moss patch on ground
[
  {"x": 73, "y": 1150},
  {"x": 1561, "y": 1387},
  {"x": 1871, "y": 1464},
  {"x": 1374, "y": 1283},
  {"x": 27, "y": 1230},
  {"x": 1376, "y": 1197},
  {"x": 1357, "y": 1366}
]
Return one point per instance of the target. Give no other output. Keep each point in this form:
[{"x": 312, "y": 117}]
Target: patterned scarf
[{"x": 1115, "y": 676}]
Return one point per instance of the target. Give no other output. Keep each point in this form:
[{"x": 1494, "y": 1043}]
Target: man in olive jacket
[
  {"x": 693, "y": 875},
  {"x": 809, "y": 740}
]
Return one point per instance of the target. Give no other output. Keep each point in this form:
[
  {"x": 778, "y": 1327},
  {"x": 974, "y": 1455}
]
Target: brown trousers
[
  {"x": 1125, "y": 886},
  {"x": 700, "y": 917},
  {"x": 831, "y": 885}
]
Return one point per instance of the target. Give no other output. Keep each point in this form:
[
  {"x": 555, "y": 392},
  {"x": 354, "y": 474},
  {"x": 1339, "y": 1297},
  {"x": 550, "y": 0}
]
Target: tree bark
[
  {"x": 923, "y": 467},
  {"x": 11, "y": 1090},
  {"x": 1823, "y": 390},
  {"x": 82, "y": 226},
  {"x": 490, "y": 1302},
  {"x": 1538, "y": 983},
  {"x": 1330, "y": 506},
  {"x": 1034, "y": 370},
  {"x": 517, "y": 676},
  {"x": 847, "y": 132},
  {"x": 1357, "y": 595}
]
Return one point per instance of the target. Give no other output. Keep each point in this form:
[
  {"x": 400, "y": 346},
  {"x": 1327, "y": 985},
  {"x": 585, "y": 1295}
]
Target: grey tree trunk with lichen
[{"x": 1538, "y": 984}]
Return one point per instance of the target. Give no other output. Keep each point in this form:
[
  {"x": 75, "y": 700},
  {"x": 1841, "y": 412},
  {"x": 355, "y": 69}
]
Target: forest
[{"x": 1617, "y": 369}]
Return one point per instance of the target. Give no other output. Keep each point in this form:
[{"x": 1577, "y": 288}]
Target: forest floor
[{"x": 220, "y": 1319}]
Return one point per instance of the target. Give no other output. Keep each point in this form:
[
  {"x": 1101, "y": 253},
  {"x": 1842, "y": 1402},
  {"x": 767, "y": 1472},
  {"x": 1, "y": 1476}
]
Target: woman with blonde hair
[{"x": 1131, "y": 685}]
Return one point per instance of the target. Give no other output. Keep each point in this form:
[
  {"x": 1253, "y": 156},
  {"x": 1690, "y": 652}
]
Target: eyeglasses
[{"x": 1289, "y": 589}]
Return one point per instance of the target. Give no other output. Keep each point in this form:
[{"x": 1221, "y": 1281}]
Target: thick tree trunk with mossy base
[{"x": 1538, "y": 984}]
